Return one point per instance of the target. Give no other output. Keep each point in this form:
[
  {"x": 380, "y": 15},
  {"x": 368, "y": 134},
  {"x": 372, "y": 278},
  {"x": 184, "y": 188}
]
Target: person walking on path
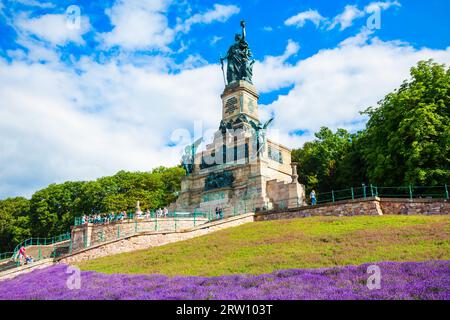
[{"x": 312, "y": 196}]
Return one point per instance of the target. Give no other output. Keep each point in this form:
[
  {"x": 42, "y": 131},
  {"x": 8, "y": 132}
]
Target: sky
[{"x": 88, "y": 88}]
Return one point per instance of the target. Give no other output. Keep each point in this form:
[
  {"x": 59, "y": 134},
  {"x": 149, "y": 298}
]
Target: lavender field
[{"x": 407, "y": 280}]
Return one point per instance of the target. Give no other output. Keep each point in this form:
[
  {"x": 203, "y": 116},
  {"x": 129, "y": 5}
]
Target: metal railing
[
  {"x": 365, "y": 191},
  {"x": 5, "y": 256},
  {"x": 172, "y": 222},
  {"x": 105, "y": 218},
  {"x": 43, "y": 248},
  {"x": 243, "y": 206},
  {"x": 41, "y": 241}
]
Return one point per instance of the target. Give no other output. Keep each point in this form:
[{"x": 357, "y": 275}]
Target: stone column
[{"x": 294, "y": 171}]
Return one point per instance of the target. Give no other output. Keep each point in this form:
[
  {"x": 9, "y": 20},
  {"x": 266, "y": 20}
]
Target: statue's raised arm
[{"x": 243, "y": 29}]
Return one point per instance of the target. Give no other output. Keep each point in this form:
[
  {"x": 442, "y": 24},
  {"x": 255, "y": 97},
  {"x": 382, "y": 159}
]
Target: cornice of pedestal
[{"x": 240, "y": 85}]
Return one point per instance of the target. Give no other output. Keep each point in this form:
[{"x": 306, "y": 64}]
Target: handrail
[
  {"x": 365, "y": 191},
  {"x": 6, "y": 256},
  {"x": 41, "y": 241}
]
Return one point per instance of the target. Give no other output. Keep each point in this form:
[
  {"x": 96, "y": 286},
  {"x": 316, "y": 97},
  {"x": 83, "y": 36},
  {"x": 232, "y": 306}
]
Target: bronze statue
[
  {"x": 239, "y": 64},
  {"x": 260, "y": 136},
  {"x": 216, "y": 180},
  {"x": 189, "y": 155}
]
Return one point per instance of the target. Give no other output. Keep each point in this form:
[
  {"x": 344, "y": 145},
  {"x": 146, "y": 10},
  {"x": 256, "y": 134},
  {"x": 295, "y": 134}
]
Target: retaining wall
[
  {"x": 148, "y": 239},
  {"x": 90, "y": 234},
  {"x": 369, "y": 206}
]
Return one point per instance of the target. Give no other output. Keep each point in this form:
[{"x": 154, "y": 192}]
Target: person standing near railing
[
  {"x": 22, "y": 254},
  {"x": 165, "y": 212},
  {"x": 312, "y": 196}
]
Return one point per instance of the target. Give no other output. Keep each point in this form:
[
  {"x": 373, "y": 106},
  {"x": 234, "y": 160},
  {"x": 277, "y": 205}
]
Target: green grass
[{"x": 263, "y": 247}]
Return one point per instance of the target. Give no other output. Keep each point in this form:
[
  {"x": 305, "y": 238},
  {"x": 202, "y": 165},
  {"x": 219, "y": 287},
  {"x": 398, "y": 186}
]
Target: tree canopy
[
  {"x": 51, "y": 211},
  {"x": 406, "y": 139}
]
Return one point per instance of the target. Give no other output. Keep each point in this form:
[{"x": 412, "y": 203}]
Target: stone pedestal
[{"x": 267, "y": 180}]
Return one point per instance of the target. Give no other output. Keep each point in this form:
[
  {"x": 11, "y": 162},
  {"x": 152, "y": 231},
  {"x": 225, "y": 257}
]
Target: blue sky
[{"x": 126, "y": 88}]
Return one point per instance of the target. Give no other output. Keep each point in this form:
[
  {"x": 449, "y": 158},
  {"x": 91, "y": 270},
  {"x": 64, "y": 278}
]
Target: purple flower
[{"x": 407, "y": 280}]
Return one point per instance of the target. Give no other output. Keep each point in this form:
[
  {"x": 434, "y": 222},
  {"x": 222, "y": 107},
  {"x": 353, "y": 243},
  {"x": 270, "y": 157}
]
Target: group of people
[
  {"x": 119, "y": 216},
  {"x": 103, "y": 218},
  {"x": 159, "y": 213},
  {"x": 219, "y": 213}
]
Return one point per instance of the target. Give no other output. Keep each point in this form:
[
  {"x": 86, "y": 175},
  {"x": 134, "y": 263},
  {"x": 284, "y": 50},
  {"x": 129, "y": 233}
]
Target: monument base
[{"x": 241, "y": 170}]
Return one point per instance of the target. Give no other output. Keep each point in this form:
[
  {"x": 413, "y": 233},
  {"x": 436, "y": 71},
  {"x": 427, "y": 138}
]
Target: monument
[{"x": 242, "y": 169}]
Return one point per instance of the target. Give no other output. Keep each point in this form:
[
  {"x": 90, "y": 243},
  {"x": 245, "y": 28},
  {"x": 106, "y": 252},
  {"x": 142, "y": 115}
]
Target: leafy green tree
[
  {"x": 351, "y": 167},
  {"x": 171, "y": 178},
  {"x": 14, "y": 222},
  {"x": 318, "y": 160},
  {"x": 407, "y": 139}
]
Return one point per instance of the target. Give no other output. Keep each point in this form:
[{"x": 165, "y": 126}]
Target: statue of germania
[{"x": 239, "y": 62}]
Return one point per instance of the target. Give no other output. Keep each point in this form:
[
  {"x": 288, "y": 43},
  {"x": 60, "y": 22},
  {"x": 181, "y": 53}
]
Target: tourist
[
  {"x": 22, "y": 254},
  {"x": 165, "y": 212},
  {"x": 221, "y": 213},
  {"x": 147, "y": 213},
  {"x": 29, "y": 259},
  {"x": 312, "y": 196},
  {"x": 217, "y": 212},
  {"x": 159, "y": 212}
]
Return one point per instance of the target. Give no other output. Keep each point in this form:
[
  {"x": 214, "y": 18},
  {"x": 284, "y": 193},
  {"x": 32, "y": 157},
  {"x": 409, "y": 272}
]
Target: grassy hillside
[{"x": 263, "y": 247}]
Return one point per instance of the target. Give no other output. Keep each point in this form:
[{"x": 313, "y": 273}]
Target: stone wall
[
  {"x": 415, "y": 206},
  {"x": 148, "y": 239},
  {"x": 339, "y": 208},
  {"x": 369, "y": 206},
  {"x": 91, "y": 234}
]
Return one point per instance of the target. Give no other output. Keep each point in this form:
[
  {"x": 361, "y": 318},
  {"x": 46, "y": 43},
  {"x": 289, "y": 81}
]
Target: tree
[
  {"x": 171, "y": 178},
  {"x": 14, "y": 222},
  {"x": 407, "y": 139},
  {"x": 318, "y": 160},
  {"x": 351, "y": 167}
]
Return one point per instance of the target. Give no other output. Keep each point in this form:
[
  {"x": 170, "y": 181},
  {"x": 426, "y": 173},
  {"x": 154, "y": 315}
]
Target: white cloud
[
  {"x": 215, "y": 39},
  {"x": 34, "y": 3},
  {"x": 380, "y": 5},
  {"x": 138, "y": 24},
  {"x": 352, "y": 13},
  {"x": 346, "y": 18},
  {"x": 52, "y": 28},
  {"x": 143, "y": 24},
  {"x": 273, "y": 73},
  {"x": 301, "y": 18},
  {"x": 220, "y": 13},
  {"x": 331, "y": 87},
  {"x": 359, "y": 39}
]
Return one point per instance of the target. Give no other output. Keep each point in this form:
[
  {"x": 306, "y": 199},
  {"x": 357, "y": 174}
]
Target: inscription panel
[{"x": 231, "y": 106}]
